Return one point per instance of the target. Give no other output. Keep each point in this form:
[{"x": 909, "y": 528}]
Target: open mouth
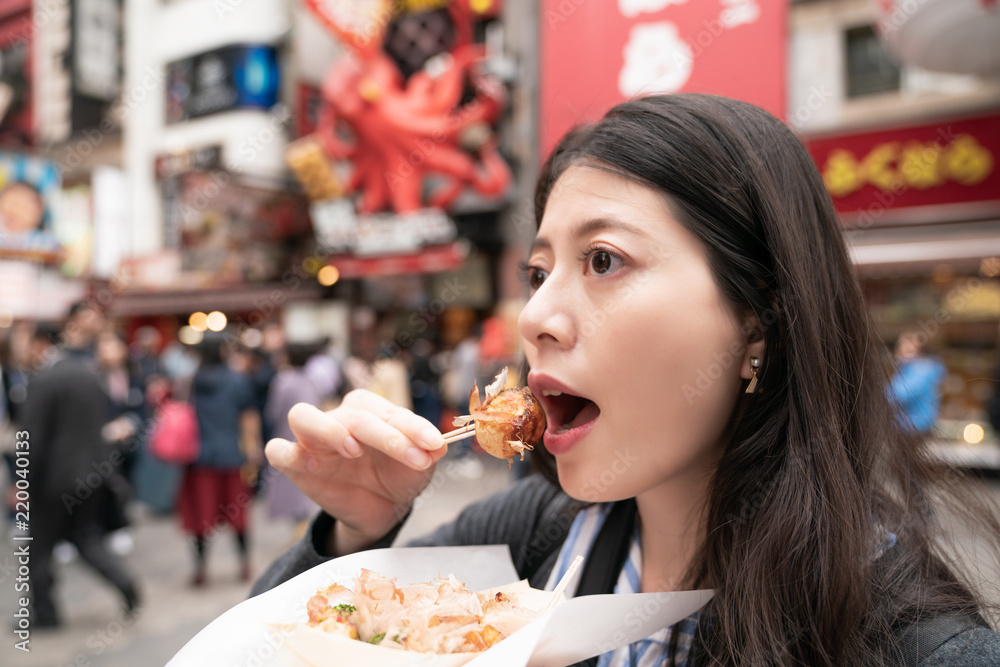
[{"x": 566, "y": 411}]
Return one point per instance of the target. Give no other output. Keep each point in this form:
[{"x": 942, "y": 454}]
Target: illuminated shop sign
[
  {"x": 29, "y": 190},
  {"x": 96, "y": 48},
  {"x": 410, "y": 113},
  {"x": 594, "y": 55},
  {"x": 949, "y": 162},
  {"x": 233, "y": 77}
]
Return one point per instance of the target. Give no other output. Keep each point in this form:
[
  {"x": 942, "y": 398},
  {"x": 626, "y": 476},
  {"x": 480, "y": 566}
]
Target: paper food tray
[{"x": 263, "y": 631}]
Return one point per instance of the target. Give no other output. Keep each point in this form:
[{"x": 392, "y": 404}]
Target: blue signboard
[{"x": 243, "y": 76}]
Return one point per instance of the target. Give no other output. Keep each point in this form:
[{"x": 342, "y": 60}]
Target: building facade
[{"x": 910, "y": 157}]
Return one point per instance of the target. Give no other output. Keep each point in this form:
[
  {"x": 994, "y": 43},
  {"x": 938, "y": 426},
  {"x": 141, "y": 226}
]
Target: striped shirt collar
[{"x": 652, "y": 651}]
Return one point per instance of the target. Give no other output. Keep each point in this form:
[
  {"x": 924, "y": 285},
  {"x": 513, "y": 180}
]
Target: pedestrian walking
[
  {"x": 84, "y": 323},
  {"x": 291, "y": 385},
  {"x": 916, "y": 384},
  {"x": 125, "y": 412},
  {"x": 63, "y": 415},
  {"x": 213, "y": 493}
]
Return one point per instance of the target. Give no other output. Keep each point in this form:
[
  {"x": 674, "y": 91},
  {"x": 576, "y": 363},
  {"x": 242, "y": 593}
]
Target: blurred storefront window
[
  {"x": 870, "y": 69},
  {"x": 958, "y": 312},
  {"x": 920, "y": 206}
]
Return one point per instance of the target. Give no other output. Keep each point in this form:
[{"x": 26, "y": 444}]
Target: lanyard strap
[{"x": 607, "y": 556}]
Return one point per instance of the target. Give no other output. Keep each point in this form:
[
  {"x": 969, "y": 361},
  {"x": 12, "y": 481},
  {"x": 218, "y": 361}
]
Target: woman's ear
[{"x": 754, "y": 340}]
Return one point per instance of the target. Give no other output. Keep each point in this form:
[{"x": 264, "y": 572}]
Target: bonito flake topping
[
  {"x": 509, "y": 422},
  {"x": 440, "y": 616}
]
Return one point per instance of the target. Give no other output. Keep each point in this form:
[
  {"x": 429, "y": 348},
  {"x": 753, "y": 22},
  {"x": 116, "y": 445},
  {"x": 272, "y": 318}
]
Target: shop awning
[
  {"x": 924, "y": 246},
  {"x": 265, "y": 299},
  {"x": 431, "y": 259}
]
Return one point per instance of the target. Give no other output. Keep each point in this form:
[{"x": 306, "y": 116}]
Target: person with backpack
[{"x": 213, "y": 493}]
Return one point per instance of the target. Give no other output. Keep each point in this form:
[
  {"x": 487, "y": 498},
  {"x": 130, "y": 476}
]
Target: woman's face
[
  {"x": 111, "y": 351},
  {"x": 626, "y": 320}
]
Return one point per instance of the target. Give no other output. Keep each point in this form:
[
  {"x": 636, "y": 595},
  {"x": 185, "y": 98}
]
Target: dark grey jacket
[
  {"x": 533, "y": 518},
  {"x": 63, "y": 414}
]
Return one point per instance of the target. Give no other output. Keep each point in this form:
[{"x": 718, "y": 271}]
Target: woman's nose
[{"x": 547, "y": 318}]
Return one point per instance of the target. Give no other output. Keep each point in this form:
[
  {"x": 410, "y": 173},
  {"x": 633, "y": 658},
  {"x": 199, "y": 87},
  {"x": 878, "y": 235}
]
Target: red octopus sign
[{"x": 410, "y": 100}]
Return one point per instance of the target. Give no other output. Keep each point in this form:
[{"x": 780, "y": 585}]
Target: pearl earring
[{"x": 754, "y": 368}]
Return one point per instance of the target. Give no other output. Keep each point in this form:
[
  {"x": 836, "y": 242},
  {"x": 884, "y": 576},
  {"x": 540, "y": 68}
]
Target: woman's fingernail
[
  {"x": 431, "y": 437},
  {"x": 418, "y": 458},
  {"x": 277, "y": 454},
  {"x": 352, "y": 447}
]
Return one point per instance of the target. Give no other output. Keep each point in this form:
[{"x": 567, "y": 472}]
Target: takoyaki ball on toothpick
[{"x": 508, "y": 422}]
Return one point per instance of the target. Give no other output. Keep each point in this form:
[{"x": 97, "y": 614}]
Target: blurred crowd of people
[{"x": 89, "y": 395}]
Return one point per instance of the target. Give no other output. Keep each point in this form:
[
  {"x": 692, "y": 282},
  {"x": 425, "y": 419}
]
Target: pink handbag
[{"x": 175, "y": 437}]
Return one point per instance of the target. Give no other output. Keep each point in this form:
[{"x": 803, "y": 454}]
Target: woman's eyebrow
[
  {"x": 592, "y": 226},
  {"x": 589, "y": 227},
  {"x": 539, "y": 244}
]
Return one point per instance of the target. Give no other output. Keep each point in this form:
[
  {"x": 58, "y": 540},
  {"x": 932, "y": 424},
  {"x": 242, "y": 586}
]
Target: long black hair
[{"x": 817, "y": 478}]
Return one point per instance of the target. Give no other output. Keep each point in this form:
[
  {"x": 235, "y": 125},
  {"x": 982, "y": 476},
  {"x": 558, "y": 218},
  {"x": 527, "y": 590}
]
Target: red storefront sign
[
  {"x": 431, "y": 259},
  {"x": 597, "y": 54},
  {"x": 946, "y": 163},
  {"x": 17, "y": 44}
]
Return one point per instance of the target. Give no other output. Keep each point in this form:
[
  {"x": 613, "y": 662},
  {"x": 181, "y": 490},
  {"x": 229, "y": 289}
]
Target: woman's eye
[
  {"x": 602, "y": 262},
  {"x": 536, "y": 277}
]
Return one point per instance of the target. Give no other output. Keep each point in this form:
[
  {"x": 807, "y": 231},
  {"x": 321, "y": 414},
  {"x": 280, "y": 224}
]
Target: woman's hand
[{"x": 363, "y": 463}]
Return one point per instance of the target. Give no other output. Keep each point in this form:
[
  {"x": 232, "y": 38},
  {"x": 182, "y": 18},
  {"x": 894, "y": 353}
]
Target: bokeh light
[
  {"x": 311, "y": 265},
  {"x": 973, "y": 434},
  {"x": 189, "y": 335},
  {"x": 216, "y": 321},
  {"x": 328, "y": 275},
  {"x": 198, "y": 321},
  {"x": 252, "y": 338}
]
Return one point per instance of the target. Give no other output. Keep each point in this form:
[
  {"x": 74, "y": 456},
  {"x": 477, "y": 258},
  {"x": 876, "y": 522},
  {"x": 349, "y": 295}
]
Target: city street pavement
[{"x": 96, "y": 634}]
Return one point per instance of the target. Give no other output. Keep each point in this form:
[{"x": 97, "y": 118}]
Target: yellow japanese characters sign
[
  {"x": 950, "y": 162},
  {"x": 895, "y": 165}
]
